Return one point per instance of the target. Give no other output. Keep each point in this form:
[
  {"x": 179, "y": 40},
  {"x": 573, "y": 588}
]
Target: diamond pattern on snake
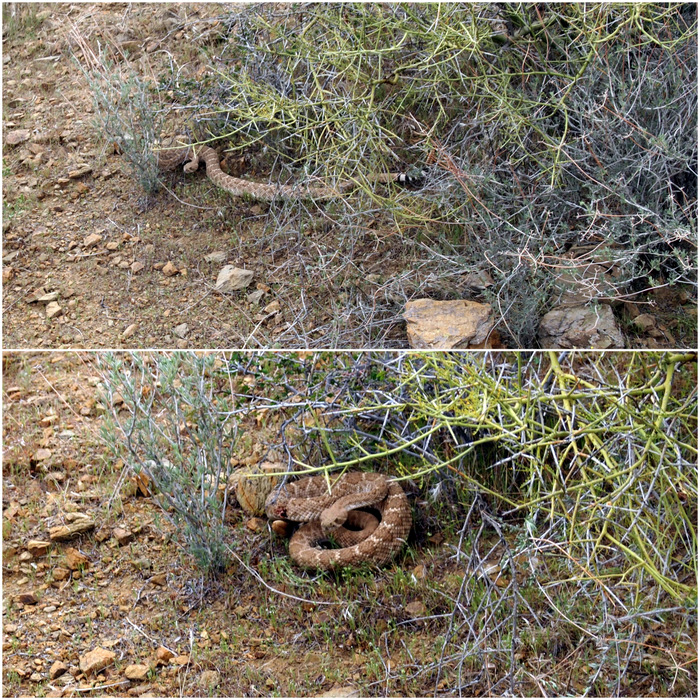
[
  {"x": 190, "y": 157},
  {"x": 325, "y": 514}
]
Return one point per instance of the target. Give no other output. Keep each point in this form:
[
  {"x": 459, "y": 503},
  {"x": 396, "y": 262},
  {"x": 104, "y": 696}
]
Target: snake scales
[
  {"x": 325, "y": 514},
  {"x": 190, "y": 156}
]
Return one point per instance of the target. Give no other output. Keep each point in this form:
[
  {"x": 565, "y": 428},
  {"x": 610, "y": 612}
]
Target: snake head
[
  {"x": 276, "y": 511},
  {"x": 332, "y": 518}
]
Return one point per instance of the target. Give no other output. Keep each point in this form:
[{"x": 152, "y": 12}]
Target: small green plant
[
  {"x": 184, "y": 450},
  {"x": 125, "y": 113},
  {"x": 16, "y": 207}
]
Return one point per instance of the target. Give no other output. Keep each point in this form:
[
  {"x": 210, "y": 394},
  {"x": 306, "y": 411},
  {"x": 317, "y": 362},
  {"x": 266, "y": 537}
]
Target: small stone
[
  {"x": 53, "y": 309},
  {"x": 256, "y": 524},
  {"x": 256, "y": 296},
  {"x": 122, "y": 536},
  {"x": 164, "y": 655},
  {"x": 232, "y": 278},
  {"x": 181, "y": 660},
  {"x": 60, "y": 573},
  {"x": 273, "y": 307},
  {"x": 419, "y": 571},
  {"x": 91, "y": 240},
  {"x": 169, "y": 270},
  {"x": 9, "y": 257},
  {"x": 136, "y": 672},
  {"x": 218, "y": 256},
  {"x": 42, "y": 454},
  {"x": 51, "y": 296},
  {"x": 55, "y": 478},
  {"x": 57, "y": 669},
  {"x": 75, "y": 559},
  {"x": 96, "y": 660},
  {"x": 38, "y": 548},
  {"x": 645, "y": 322},
  {"x": 416, "y": 608},
  {"x": 129, "y": 331},
  {"x": 17, "y": 136},
  {"x": 181, "y": 330},
  {"x": 69, "y": 532},
  {"x": 48, "y": 421},
  {"x": 136, "y": 267}
]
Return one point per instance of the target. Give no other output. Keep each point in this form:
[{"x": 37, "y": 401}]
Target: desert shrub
[
  {"x": 126, "y": 113},
  {"x": 551, "y": 136},
  {"x": 167, "y": 419}
]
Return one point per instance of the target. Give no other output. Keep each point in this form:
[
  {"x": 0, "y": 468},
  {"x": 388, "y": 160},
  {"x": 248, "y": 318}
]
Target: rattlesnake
[
  {"x": 325, "y": 514},
  {"x": 170, "y": 159}
]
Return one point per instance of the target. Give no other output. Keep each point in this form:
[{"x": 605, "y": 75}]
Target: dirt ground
[
  {"x": 140, "y": 597},
  {"x": 121, "y": 610},
  {"x": 128, "y": 271},
  {"x": 90, "y": 262}
]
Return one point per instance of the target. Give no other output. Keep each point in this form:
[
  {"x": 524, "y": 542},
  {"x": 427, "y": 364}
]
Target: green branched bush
[{"x": 552, "y": 135}]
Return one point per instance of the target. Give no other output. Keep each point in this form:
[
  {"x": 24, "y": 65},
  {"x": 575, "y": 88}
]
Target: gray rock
[
  {"x": 592, "y": 326},
  {"x": 231, "y": 278}
]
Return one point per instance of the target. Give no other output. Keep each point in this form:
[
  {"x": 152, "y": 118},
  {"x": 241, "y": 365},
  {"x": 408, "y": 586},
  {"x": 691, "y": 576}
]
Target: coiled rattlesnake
[
  {"x": 170, "y": 159},
  {"x": 334, "y": 514}
]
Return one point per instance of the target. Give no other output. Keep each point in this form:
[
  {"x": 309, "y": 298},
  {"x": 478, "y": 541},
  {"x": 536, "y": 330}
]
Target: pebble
[
  {"x": 231, "y": 279},
  {"x": 136, "y": 672},
  {"x": 57, "y": 669},
  {"x": 96, "y": 660},
  {"x": 169, "y": 270},
  {"x": 91, "y": 240}
]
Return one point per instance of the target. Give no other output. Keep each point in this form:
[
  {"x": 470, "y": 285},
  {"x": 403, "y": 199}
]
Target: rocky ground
[
  {"x": 89, "y": 261},
  {"x": 96, "y": 594}
]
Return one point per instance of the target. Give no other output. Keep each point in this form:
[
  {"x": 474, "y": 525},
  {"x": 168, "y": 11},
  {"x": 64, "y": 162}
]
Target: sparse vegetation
[
  {"x": 125, "y": 115},
  {"x": 177, "y": 434},
  {"x": 555, "y": 137},
  {"x": 553, "y": 478}
]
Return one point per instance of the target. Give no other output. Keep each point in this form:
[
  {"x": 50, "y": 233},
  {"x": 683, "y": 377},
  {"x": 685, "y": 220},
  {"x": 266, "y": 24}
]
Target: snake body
[
  {"x": 332, "y": 514},
  {"x": 191, "y": 156}
]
